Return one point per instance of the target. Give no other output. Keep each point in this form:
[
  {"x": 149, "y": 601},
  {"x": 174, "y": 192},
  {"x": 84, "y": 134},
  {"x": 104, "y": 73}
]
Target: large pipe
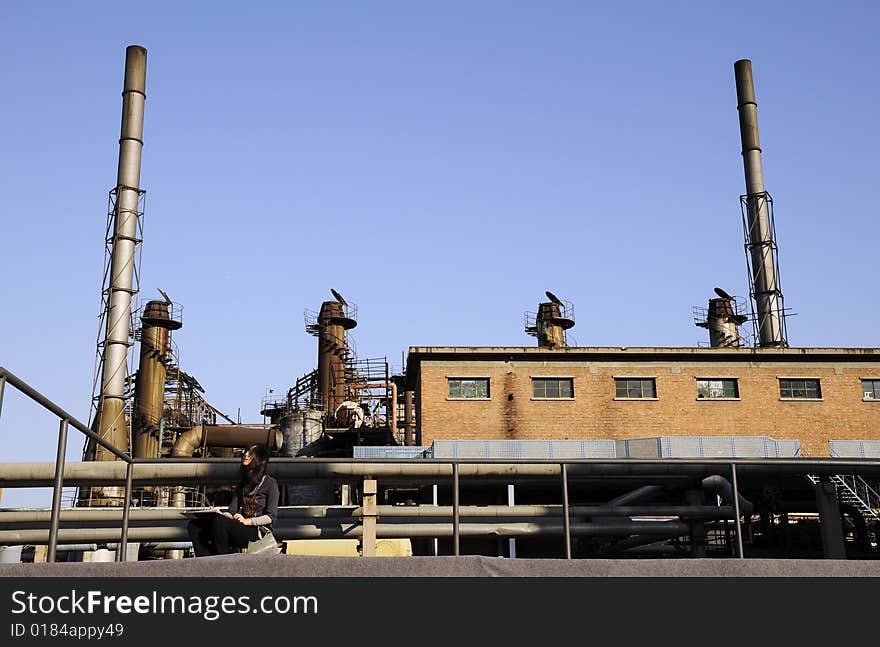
[
  {"x": 768, "y": 297},
  {"x": 721, "y": 487},
  {"x": 111, "y": 408},
  {"x": 283, "y": 530},
  {"x": 346, "y": 514},
  {"x": 316, "y": 470},
  {"x": 225, "y": 436}
]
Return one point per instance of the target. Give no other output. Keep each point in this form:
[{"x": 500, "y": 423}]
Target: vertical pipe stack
[
  {"x": 550, "y": 333},
  {"x": 768, "y": 297},
  {"x": 721, "y": 323},
  {"x": 149, "y": 392},
  {"x": 111, "y": 408},
  {"x": 332, "y": 353},
  {"x": 408, "y": 418}
]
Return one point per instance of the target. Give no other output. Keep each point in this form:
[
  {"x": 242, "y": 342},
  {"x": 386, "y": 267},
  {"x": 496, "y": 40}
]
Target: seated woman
[{"x": 252, "y": 510}]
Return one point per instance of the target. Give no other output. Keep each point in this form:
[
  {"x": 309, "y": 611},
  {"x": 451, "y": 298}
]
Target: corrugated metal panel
[
  {"x": 655, "y": 447},
  {"x": 855, "y": 448},
  {"x": 788, "y": 448},
  {"x": 391, "y": 452},
  {"x": 639, "y": 448},
  {"x": 707, "y": 447},
  {"x": 512, "y": 449},
  {"x": 681, "y": 446}
]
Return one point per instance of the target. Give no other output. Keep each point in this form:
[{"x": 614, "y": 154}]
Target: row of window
[{"x": 645, "y": 388}]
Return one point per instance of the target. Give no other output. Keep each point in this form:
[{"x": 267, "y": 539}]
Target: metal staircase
[{"x": 855, "y": 491}]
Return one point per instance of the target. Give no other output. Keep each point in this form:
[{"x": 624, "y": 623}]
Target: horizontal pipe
[
  {"x": 150, "y": 545},
  {"x": 114, "y": 515},
  {"x": 339, "y": 531},
  {"x": 421, "y": 471},
  {"x": 225, "y": 436}
]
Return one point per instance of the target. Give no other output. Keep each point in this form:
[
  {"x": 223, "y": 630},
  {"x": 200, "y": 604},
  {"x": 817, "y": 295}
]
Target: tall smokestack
[
  {"x": 758, "y": 223},
  {"x": 111, "y": 406}
]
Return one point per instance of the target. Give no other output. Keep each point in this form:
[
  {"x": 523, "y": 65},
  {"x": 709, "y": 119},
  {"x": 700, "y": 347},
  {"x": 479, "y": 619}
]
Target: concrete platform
[{"x": 466, "y": 566}]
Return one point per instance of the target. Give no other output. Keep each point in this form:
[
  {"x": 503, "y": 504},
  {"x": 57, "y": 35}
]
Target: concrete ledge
[{"x": 468, "y": 566}]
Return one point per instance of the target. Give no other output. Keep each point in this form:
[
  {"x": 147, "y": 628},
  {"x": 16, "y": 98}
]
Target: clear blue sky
[{"x": 441, "y": 164}]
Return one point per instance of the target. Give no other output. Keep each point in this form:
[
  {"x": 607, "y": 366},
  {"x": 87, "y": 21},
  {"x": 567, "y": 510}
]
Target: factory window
[
  {"x": 468, "y": 388},
  {"x": 552, "y": 387},
  {"x": 635, "y": 388},
  {"x": 871, "y": 389},
  {"x": 799, "y": 388},
  {"x": 724, "y": 388}
]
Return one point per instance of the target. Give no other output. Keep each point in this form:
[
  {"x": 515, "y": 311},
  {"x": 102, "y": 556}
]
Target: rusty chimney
[
  {"x": 110, "y": 418},
  {"x": 722, "y": 319},
  {"x": 758, "y": 218},
  {"x": 551, "y": 321},
  {"x": 330, "y": 326},
  {"x": 149, "y": 391}
]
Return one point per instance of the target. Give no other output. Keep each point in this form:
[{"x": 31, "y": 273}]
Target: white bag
[{"x": 264, "y": 544}]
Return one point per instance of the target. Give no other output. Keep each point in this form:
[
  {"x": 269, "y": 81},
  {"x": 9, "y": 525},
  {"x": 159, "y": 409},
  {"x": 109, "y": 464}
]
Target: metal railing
[{"x": 65, "y": 421}]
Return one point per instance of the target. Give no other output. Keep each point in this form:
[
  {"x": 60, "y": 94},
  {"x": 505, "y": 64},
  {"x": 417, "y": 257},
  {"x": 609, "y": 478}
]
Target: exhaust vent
[
  {"x": 329, "y": 325},
  {"x": 550, "y": 322},
  {"x": 722, "y": 318}
]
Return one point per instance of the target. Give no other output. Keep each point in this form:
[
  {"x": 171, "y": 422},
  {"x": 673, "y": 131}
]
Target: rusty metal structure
[
  {"x": 722, "y": 319},
  {"x": 159, "y": 318},
  {"x": 330, "y": 326},
  {"x": 550, "y": 323},
  {"x": 345, "y": 401}
]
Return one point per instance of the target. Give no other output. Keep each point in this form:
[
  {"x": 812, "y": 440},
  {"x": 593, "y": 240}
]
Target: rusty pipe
[{"x": 226, "y": 436}]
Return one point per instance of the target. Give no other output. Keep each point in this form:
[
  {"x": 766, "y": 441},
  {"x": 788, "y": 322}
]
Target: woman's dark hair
[{"x": 253, "y": 473}]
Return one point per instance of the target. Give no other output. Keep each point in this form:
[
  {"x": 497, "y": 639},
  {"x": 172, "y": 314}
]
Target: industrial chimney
[
  {"x": 157, "y": 322},
  {"x": 551, "y": 321},
  {"x": 110, "y": 418},
  {"x": 757, "y": 206},
  {"x": 333, "y": 320},
  {"x": 722, "y": 319}
]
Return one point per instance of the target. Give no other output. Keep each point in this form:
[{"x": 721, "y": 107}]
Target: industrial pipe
[
  {"x": 225, "y": 436},
  {"x": 768, "y": 297},
  {"x": 305, "y": 470},
  {"x": 111, "y": 408},
  {"x": 721, "y": 487},
  {"x": 283, "y": 530},
  {"x": 9, "y": 520}
]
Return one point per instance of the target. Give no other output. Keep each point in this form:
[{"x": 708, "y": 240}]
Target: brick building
[{"x": 814, "y": 395}]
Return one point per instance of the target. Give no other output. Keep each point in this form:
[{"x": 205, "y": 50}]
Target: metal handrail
[{"x": 66, "y": 421}]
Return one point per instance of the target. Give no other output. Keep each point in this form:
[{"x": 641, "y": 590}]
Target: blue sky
[{"x": 441, "y": 164}]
